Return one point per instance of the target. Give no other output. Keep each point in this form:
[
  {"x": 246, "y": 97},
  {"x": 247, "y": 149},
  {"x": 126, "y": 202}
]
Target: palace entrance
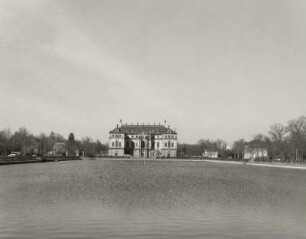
[{"x": 143, "y": 149}]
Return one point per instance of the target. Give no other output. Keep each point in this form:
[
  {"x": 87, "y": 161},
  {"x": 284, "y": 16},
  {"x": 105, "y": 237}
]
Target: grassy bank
[
  {"x": 26, "y": 160},
  {"x": 262, "y": 164}
]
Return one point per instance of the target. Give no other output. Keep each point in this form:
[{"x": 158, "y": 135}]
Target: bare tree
[
  {"x": 277, "y": 133},
  {"x": 297, "y": 130},
  {"x": 42, "y": 144},
  {"x": 88, "y": 147},
  {"x": 238, "y": 148},
  {"x": 5, "y": 136}
]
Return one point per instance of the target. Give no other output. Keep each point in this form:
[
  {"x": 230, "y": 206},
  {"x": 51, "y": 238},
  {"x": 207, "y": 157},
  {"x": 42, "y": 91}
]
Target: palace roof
[{"x": 142, "y": 129}]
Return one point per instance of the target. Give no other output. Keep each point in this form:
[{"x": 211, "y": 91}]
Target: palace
[{"x": 143, "y": 141}]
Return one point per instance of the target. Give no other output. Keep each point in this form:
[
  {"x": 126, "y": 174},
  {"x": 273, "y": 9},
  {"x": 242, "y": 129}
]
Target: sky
[{"x": 214, "y": 69}]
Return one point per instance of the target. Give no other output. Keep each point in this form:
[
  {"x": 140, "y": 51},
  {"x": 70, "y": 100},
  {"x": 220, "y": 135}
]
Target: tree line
[
  {"x": 283, "y": 142},
  {"x": 25, "y": 142}
]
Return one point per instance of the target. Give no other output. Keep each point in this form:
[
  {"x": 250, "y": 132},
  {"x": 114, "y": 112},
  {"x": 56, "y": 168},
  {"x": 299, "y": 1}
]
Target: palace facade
[{"x": 143, "y": 141}]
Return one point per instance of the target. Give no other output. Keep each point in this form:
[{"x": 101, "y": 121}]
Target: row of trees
[
  {"x": 28, "y": 144},
  {"x": 203, "y": 144},
  {"x": 286, "y": 142}
]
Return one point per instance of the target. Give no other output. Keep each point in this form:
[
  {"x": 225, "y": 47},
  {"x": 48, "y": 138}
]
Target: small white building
[
  {"x": 210, "y": 154},
  {"x": 255, "y": 150},
  {"x": 255, "y": 153}
]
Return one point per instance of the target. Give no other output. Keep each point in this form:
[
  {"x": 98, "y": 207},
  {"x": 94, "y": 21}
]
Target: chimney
[{"x": 120, "y": 122}]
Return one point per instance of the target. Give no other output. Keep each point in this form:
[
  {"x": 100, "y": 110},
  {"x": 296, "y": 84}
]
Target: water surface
[{"x": 158, "y": 199}]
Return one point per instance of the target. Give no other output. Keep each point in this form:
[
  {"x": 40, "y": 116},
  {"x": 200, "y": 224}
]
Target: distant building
[
  {"x": 61, "y": 149},
  {"x": 72, "y": 150},
  {"x": 210, "y": 153},
  {"x": 255, "y": 150},
  {"x": 143, "y": 141}
]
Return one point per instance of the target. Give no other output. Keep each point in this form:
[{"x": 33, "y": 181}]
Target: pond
[{"x": 151, "y": 199}]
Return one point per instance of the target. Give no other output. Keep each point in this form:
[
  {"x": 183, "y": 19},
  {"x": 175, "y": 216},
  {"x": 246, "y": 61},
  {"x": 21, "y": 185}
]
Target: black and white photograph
[{"x": 152, "y": 119}]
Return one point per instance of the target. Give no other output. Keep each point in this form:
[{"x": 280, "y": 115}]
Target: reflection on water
[{"x": 129, "y": 199}]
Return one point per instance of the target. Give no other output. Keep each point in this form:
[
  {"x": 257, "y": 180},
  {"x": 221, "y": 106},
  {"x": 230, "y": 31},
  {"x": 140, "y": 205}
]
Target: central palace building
[{"x": 143, "y": 141}]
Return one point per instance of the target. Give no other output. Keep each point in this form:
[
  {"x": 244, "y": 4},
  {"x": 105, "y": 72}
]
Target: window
[
  {"x": 172, "y": 145},
  {"x": 119, "y": 144},
  {"x": 158, "y": 145},
  {"x": 113, "y": 143},
  {"x": 166, "y": 145}
]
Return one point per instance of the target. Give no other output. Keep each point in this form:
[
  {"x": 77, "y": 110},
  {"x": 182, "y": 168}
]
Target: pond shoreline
[
  {"x": 38, "y": 160},
  {"x": 261, "y": 164}
]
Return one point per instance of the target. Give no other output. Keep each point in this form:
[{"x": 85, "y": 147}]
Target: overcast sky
[{"x": 213, "y": 68}]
